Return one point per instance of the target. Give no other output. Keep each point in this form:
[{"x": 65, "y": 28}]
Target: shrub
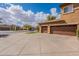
[{"x": 78, "y": 33}]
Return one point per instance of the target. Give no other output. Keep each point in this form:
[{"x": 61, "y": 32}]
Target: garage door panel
[
  {"x": 44, "y": 29},
  {"x": 66, "y": 30},
  {"x": 64, "y": 33}
]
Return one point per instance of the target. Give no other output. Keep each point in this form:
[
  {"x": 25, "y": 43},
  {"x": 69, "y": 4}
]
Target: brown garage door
[
  {"x": 44, "y": 29},
  {"x": 66, "y": 29}
]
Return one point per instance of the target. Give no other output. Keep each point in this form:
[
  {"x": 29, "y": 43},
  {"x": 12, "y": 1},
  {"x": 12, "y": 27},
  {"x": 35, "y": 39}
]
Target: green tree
[
  {"x": 37, "y": 28},
  {"x": 49, "y": 17},
  {"x": 27, "y": 27}
]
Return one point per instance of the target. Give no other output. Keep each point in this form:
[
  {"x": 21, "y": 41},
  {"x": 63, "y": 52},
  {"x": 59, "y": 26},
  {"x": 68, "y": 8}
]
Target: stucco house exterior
[{"x": 67, "y": 25}]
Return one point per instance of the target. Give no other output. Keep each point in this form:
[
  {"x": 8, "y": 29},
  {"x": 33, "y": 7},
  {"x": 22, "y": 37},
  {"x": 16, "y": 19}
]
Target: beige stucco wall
[
  {"x": 39, "y": 28},
  {"x": 48, "y": 29},
  {"x": 72, "y": 17}
]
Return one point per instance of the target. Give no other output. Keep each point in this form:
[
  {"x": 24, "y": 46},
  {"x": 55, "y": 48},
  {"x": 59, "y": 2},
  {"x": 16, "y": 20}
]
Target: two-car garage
[{"x": 69, "y": 29}]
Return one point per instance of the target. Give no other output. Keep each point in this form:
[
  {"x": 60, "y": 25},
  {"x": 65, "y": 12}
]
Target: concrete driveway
[{"x": 41, "y": 44}]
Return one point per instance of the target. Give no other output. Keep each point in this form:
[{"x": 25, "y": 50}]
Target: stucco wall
[{"x": 71, "y": 17}]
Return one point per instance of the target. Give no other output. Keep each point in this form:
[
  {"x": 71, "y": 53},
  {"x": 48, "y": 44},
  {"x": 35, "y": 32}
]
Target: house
[
  {"x": 4, "y": 26},
  {"x": 67, "y": 25}
]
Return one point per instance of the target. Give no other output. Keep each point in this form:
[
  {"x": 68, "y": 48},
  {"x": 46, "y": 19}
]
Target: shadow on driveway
[{"x": 3, "y": 36}]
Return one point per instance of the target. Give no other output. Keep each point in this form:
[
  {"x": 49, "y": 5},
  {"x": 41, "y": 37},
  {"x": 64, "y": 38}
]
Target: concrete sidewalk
[{"x": 24, "y": 44}]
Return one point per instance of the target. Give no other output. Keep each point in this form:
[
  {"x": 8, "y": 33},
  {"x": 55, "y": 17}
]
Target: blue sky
[
  {"x": 38, "y": 7},
  {"x": 28, "y": 13}
]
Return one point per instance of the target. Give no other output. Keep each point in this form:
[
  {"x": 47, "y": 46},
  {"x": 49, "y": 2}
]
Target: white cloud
[
  {"x": 53, "y": 11},
  {"x": 58, "y": 16},
  {"x": 41, "y": 17},
  {"x": 29, "y": 13},
  {"x": 14, "y": 14}
]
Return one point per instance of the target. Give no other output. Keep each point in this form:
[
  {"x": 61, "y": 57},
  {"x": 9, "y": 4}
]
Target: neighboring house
[
  {"x": 4, "y": 26},
  {"x": 67, "y": 25}
]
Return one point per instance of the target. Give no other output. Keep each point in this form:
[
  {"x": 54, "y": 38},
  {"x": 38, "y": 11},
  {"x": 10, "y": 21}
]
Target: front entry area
[{"x": 64, "y": 29}]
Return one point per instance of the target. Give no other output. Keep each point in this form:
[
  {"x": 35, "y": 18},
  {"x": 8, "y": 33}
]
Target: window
[{"x": 68, "y": 9}]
